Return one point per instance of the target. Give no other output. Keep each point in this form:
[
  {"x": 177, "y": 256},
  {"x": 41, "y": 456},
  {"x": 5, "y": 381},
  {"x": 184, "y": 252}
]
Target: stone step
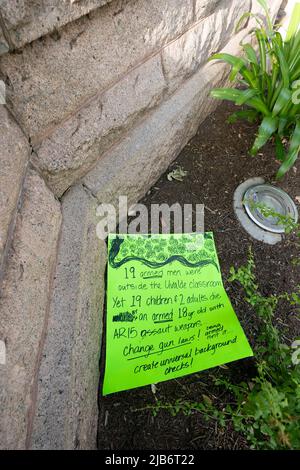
[
  {"x": 26, "y": 21},
  {"x": 24, "y": 306}
]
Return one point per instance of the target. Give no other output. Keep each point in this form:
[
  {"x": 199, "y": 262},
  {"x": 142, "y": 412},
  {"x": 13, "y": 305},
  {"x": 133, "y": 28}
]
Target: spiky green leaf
[
  {"x": 228, "y": 94},
  {"x": 267, "y": 128},
  {"x": 262, "y": 50},
  {"x": 246, "y": 96},
  {"x": 292, "y": 154},
  {"x": 250, "y": 53},
  {"x": 282, "y": 101}
]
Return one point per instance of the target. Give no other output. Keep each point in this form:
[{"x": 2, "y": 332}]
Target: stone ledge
[
  {"x": 71, "y": 150},
  {"x": 78, "y": 143},
  {"x": 47, "y": 80},
  {"x": 28, "y": 20},
  {"x": 24, "y": 301},
  {"x": 47, "y": 84},
  {"x": 4, "y": 47},
  {"x": 14, "y": 155},
  {"x": 133, "y": 166},
  {"x": 182, "y": 58},
  {"x": 66, "y": 410}
]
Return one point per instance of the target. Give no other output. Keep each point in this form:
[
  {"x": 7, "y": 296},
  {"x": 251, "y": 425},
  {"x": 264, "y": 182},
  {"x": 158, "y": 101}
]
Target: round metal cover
[{"x": 273, "y": 198}]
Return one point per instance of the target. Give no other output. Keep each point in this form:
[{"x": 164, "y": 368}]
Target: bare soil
[{"x": 217, "y": 161}]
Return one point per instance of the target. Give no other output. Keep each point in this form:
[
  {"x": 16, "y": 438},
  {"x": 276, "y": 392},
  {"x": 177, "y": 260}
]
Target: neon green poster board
[{"x": 168, "y": 314}]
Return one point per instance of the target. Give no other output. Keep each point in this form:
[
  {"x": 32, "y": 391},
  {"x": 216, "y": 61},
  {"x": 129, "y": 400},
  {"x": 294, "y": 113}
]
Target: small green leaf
[
  {"x": 229, "y": 94},
  {"x": 249, "y": 114},
  {"x": 178, "y": 174},
  {"x": 207, "y": 400}
]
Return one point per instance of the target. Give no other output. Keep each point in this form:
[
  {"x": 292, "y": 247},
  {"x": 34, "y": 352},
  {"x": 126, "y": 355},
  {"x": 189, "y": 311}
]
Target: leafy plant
[
  {"x": 286, "y": 221},
  {"x": 269, "y": 413},
  {"x": 270, "y": 80}
]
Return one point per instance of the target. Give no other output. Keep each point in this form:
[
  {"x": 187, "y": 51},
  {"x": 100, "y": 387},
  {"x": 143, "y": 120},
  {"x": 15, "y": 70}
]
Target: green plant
[
  {"x": 269, "y": 413},
  {"x": 270, "y": 80},
  {"x": 286, "y": 221}
]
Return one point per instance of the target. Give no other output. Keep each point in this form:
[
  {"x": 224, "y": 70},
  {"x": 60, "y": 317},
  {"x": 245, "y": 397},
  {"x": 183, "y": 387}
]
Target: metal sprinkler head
[
  {"x": 264, "y": 210},
  {"x": 270, "y": 207}
]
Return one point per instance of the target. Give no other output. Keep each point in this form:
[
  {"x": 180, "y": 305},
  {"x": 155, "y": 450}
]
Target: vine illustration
[{"x": 157, "y": 252}]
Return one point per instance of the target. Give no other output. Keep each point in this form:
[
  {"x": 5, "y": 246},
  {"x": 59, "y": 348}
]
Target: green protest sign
[{"x": 168, "y": 314}]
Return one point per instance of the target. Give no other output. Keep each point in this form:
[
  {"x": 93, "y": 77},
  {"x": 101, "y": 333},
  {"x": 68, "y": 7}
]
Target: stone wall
[{"x": 101, "y": 96}]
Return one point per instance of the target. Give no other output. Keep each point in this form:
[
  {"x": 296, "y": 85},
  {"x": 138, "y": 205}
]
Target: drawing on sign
[
  {"x": 167, "y": 311},
  {"x": 158, "y": 253}
]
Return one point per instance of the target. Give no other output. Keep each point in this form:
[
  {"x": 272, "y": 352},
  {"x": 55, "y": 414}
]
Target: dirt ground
[{"x": 217, "y": 161}]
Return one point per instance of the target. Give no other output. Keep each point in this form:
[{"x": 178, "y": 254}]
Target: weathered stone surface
[
  {"x": 4, "y": 47},
  {"x": 284, "y": 16},
  {"x": 48, "y": 389},
  {"x": 51, "y": 78},
  {"x": 273, "y": 6},
  {"x": 14, "y": 155},
  {"x": 23, "y": 307},
  {"x": 66, "y": 411},
  {"x": 26, "y": 20},
  {"x": 80, "y": 141},
  {"x": 204, "y": 8},
  {"x": 183, "y": 57},
  {"x": 135, "y": 164}
]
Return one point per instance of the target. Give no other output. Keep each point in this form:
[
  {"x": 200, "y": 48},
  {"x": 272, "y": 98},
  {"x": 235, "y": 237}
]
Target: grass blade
[
  {"x": 284, "y": 68},
  {"x": 230, "y": 59},
  {"x": 267, "y": 128},
  {"x": 282, "y": 101},
  {"x": 263, "y": 3},
  {"x": 287, "y": 164},
  {"x": 228, "y": 94},
  {"x": 247, "y": 95},
  {"x": 292, "y": 154},
  {"x": 262, "y": 51},
  {"x": 232, "y": 94},
  {"x": 239, "y": 65},
  {"x": 248, "y": 114},
  {"x": 236, "y": 63},
  {"x": 245, "y": 16},
  {"x": 282, "y": 126},
  {"x": 258, "y": 104}
]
